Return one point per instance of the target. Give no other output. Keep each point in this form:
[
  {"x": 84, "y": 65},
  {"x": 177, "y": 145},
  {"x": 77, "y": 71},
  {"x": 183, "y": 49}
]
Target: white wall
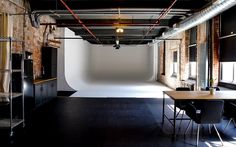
[
  {"x": 72, "y": 62},
  {"x": 76, "y": 61},
  {"x": 153, "y": 58},
  {"x": 61, "y": 80},
  {"x": 80, "y": 64},
  {"x": 130, "y": 62}
]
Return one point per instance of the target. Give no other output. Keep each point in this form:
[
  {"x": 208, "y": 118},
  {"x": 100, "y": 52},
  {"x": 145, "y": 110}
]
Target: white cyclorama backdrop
[
  {"x": 87, "y": 65},
  {"x": 129, "y": 63}
]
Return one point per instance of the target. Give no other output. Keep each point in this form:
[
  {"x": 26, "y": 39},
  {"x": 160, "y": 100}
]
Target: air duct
[{"x": 216, "y": 8}]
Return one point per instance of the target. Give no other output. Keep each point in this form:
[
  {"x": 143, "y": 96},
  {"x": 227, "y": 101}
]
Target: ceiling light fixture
[
  {"x": 119, "y": 30},
  {"x": 117, "y": 45}
]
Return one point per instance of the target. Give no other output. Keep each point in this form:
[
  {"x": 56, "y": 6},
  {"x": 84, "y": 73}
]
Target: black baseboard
[{"x": 65, "y": 93}]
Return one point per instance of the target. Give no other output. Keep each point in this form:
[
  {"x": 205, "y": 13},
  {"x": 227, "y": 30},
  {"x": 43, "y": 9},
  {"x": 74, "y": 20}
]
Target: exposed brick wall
[
  {"x": 183, "y": 56},
  {"x": 160, "y": 61},
  {"x": 171, "y": 46},
  {"x": 33, "y": 37},
  {"x": 215, "y": 47},
  {"x": 14, "y": 8}
]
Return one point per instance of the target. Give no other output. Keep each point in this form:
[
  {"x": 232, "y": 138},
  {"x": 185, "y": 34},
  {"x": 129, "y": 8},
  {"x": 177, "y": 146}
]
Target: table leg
[
  {"x": 163, "y": 108},
  {"x": 174, "y": 123}
]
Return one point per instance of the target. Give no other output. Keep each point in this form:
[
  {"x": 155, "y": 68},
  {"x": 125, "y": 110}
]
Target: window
[
  {"x": 193, "y": 53},
  {"x": 175, "y": 67},
  {"x": 228, "y": 72},
  {"x": 192, "y": 70},
  {"x": 192, "y": 62},
  {"x": 227, "y": 48}
]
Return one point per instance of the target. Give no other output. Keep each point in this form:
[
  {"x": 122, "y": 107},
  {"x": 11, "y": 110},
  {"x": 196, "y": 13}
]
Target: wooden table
[{"x": 193, "y": 95}]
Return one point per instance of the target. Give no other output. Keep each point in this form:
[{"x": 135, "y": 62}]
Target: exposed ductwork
[
  {"x": 161, "y": 16},
  {"x": 216, "y": 8},
  {"x": 96, "y": 23}
]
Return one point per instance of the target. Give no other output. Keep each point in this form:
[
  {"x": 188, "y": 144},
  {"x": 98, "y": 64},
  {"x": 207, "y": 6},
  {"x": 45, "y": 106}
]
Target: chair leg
[
  {"x": 198, "y": 129},
  {"x": 192, "y": 127},
  {"x": 187, "y": 128},
  {"x": 218, "y": 135},
  {"x": 234, "y": 122},
  {"x": 209, "y": 127},
  {"x": 228, "y": 124},
  {"x": 182, "y": 116},
  {"x": 178, "y": 113}
]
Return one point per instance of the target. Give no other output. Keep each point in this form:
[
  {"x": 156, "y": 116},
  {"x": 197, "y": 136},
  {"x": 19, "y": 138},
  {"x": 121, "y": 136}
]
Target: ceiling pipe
[
  {"x": 101, "y": 24},
  {"x": 78, "y": 19},
  {"x": 162, "y": 15},
  {"x": 68, "y": 37},
  {"x": 114, "y": 11},
  {"x": 216, "y": 8}
]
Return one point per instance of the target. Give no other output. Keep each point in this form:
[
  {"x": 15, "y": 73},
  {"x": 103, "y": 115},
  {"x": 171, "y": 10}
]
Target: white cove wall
[
  {"x": 95, "y": 69},
  {"x": 76, "y": 61},
  {"x": 129, "y": 63}
]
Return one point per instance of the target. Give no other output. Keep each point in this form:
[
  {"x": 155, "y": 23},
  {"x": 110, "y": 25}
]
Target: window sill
[
  {"x": 192, "y": 79},
  {"x": 188, "y": 83},
  {"x": 226, "y": 85},
  {"x": 174, "y": 75}
]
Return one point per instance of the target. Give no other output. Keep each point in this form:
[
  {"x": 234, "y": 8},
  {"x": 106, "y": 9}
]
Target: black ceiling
[{"x": 102, "y": 17}]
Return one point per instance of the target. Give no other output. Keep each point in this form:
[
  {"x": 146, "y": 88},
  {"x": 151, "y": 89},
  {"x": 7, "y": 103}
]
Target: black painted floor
[{"x": 107, "y": 122}]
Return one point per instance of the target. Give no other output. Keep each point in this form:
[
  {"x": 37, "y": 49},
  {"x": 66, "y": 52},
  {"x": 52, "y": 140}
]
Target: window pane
[
  {"x": 193, "y": 54},
  {"x": 193, "y": 68},
  {"x": 193, "y": 35},
  {"x": 175, "y": 56},
  {"x": 175, "y": 68},
  {"x": 227, "y": 71}
]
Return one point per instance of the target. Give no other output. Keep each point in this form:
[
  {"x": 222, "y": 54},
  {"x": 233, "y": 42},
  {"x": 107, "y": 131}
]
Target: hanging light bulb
[
  {"x": 119, "y": 30},
  {"x": 117, "y": 45}
]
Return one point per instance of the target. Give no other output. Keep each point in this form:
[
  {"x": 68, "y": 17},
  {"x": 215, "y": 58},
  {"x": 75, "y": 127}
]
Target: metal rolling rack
[{"x": 12, "y": 121}]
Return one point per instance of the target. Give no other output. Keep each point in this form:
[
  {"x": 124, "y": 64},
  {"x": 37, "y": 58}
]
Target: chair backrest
[
  {"x": 211, "y": 111},
  {"x": 230, "y": 109},
  {"x": 182, "y": 89},
  {"x": 182, "y": 104},
  {"x": 217, "y": 88}
]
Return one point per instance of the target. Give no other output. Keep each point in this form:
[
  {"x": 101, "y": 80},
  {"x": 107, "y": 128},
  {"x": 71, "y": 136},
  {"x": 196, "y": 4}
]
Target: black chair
[
  {"x": 181, "y": 104},
  {"x": 205, "y": 112},
  {"x": 229, "y": 112}
]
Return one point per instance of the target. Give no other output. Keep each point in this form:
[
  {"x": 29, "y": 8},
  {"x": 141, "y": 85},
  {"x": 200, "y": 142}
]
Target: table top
[
  {"x": 39, "y": 81},
  {"x": 201, "y": 95}
]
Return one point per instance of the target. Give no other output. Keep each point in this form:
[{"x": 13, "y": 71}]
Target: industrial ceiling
[{"x": 97, "y": 20}]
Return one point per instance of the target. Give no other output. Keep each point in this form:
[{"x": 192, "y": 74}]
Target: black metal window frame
[
  {"x": 192, "y": 51},
  {"x": 227, "y": 45},
  {"x": 175, "y": 67},
  {"x": 164, "y": 59}
]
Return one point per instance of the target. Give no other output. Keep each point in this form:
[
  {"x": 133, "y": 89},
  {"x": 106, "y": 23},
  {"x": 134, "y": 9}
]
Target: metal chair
[
  {"x": 229, "y": 111},
  {"x": 208, "y": 89},
  {"x": 205, "y": 112},
  {"x": 181, "y": 104}
]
